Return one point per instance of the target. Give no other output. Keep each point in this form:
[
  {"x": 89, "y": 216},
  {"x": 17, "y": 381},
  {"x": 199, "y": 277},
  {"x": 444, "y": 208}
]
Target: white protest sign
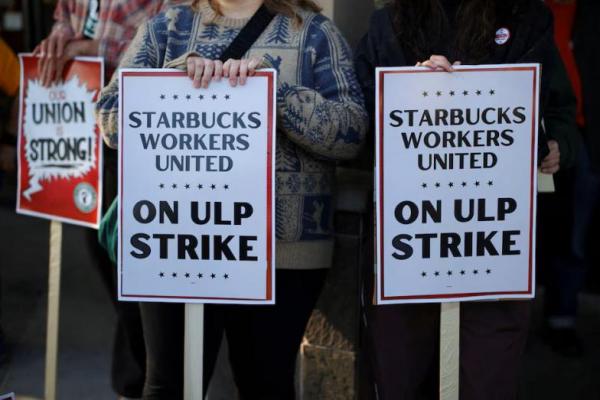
[
  {"x": 456, "y": 183},
  {"x": 196, "y": 189}
]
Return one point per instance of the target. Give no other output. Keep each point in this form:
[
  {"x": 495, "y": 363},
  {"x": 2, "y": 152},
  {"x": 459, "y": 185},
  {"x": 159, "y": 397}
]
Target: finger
[
  {"x": 191, "y": 67},
  {"x": 37, "y": 50},
  {"x": 209, "y": 69},
  {"x": 442, "y": 62},
  {"x": 456, "y": 63},
  {"x": 218, "y": 72},
  {"x": 429, "y": 64},
  {"x": 58, "y": 71},
  {"x": 61, "y": 42},
  {"x": 226, "y": 68},
  {"x": 243, "y": 72},
  {"x": 51, "y": 47},
  {"x": 234, "y": 72},
  {"x": 45, "y": 72},
  {"x": 50, "y": 72},
  {"x": 198, "y": 72},
  {"x": 252, "y": 66}
]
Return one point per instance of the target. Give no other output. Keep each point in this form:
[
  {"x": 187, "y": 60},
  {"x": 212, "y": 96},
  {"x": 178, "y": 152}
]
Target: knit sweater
[{"x": 320, "y": 112}]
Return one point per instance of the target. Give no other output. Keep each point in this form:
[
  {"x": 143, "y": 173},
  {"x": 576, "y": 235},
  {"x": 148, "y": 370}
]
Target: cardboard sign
[
  {"x": 456, "y": 183},
  {"x": 196, "y": 214},
  {"x": 59, "y": 147}
]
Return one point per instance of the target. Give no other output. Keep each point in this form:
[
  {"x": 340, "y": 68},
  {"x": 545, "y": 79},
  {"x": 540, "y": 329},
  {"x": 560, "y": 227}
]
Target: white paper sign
[
  {"x": 456, "y": 183},
  {"x": 196, "y": 189}
]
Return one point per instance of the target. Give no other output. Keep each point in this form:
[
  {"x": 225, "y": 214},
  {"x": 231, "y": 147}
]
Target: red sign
[{"x": 60, "y": 148}]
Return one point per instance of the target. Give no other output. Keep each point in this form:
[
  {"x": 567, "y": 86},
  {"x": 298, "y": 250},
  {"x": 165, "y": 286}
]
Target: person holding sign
[
  {"x": 403, "y": 340},
  {"x": 103, "y": 28},
  {"x": 321, "y": 120}
]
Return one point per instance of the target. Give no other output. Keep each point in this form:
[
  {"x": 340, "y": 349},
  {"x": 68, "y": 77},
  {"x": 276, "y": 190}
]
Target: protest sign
[
  {"x": 196, "y": 222},
  {"x": 456, "y": 183},
  {"x": 60, "y": 149}
]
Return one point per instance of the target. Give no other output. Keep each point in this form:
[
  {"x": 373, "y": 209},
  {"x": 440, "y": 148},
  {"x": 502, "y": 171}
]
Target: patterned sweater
[{"x": 321, "y": 116}]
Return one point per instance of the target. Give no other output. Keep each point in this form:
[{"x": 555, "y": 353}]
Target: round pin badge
[{"x": 502, "y": 36}]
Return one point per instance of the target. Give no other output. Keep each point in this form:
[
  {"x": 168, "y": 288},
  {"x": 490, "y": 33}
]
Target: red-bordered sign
[
  {"x": 449, "y": 271},
  {"x": 190, "y": 282},
  {"x": 59, "y": 146}
]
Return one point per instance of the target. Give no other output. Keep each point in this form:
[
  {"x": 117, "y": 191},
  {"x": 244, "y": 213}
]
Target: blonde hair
[{"x": 288, "y": 8}]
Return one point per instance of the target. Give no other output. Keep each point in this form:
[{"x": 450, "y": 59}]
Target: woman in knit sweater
[{"x": 321, "y": 119}]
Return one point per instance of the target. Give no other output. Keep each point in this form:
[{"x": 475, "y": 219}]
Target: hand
[
  {"x": 50, "y": 50},
  {"x": 438, "y": 63},
  {"x": 7, "y": 158},
  {"x": 551, "y": 164},
  {"x": 238, "y": 71},
  {"x": 202, "y": 71},
  {"x": 57, "y": 50}
]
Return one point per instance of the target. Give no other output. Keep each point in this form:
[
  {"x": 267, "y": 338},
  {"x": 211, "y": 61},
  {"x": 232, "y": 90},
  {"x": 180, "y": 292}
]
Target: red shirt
[{"x": 564, "y": 17}]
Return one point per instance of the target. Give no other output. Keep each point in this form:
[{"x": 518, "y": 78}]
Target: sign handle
[
  {"x": 53, "y": 310},
  {"x": 449, "y": 351},
  {"x": 193, "y": 351}
]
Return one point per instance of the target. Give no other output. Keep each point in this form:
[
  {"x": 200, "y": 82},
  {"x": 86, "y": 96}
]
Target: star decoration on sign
[
  {"x": 187, "y": 186},
  {"x": 213, "y": 276},
  {"x": 464, "y": 184},
  {"x": 201, "y": 97},
  {"x": 174, "y": 274},
  {"x": 213, "y": 187},
  {"x": 162, "y": 274},
  {"x": 449, "y": 273},
  {"x": 162, "y": 96},
  {"x": 214, "y": 96},
  {"x": 174, "y": 186},
  {"x": 227, "y": 97},
  {"x": 492, "y": 92},
  {"x": 476, "y": 183},
  {"x": 489, "y": 271},
  {"x": 478, "y": 93},
  {"x": 490, "y": 183},
  {"x": 437, "y": 185},
  {"x": 200, "y": 186},
  {"x": 200, "y": 276},
  {"x": 424, "y": 186},
  {"x": 451, "y": 184},
  {"x": 462, "y": 272},
  {"x": 226, "y": 276},
  {"x": 162, "y": 186},
  {"x": 452, "y": 93},
  {"x": 425, "y": 94},
  {"x": 424, "y": 274},
  {"x": 436, "y": 273},
  {"x": 438, "y": 93},
  {"x": 175, "y": 97},
  {"x": 188, "y": 97},
  {"x": 226, "y": 187},
  {"x": 187, "y": 275},
  {"x": 475, "y": 272},
  {"x": 465, "y": 93}
]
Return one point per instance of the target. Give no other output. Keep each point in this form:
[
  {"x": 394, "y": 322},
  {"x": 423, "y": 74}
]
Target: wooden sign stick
[
  {"x": 449, "y": 351},
  {"x": 193, "y": 351},
  {"x": 53, "y": 310}
]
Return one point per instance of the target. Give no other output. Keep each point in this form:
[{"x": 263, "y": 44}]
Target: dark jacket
[
  {"x": 586, "y": 40},
  {"x": 560, "y": 116},
  {"x": 532, "y": 41}
]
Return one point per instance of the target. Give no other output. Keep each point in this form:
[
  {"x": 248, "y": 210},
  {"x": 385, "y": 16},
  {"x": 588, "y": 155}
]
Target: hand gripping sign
[
  {"x": 60, "y": 149},
  {"x": 456, "y": 183},
  {"x": 196, "y": 191}
]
